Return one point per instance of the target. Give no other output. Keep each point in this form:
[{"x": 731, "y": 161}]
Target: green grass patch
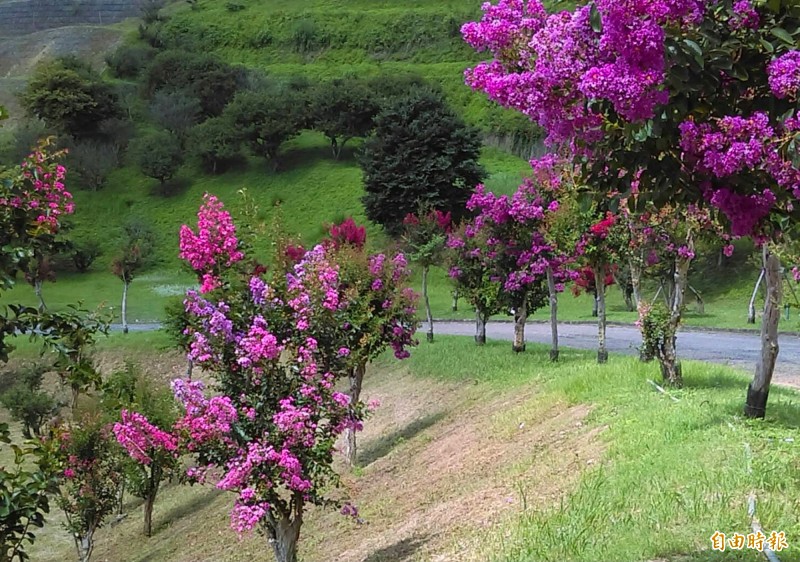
[{"x": 672, "y": 474}]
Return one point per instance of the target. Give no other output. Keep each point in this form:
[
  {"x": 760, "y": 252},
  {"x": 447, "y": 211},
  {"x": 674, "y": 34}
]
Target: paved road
[{"x": 727, "y": 348}]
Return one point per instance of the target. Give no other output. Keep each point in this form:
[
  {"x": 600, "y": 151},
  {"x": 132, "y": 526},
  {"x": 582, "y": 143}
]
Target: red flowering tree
[
  {"x": 697, "y": 99},
  {"x": 600, "y": 247},
  {"x": 424, "y": 238},
  {"x": 585, "y": 282}
]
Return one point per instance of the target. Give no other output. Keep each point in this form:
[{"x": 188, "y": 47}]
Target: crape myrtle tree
[
  {"x": 585, "y": 282},
  {"x": 600, "y": 246},
  {"x": 33, "y": 201},
  {"x": 516, "y": 247},
  {"x": 667, "y": 236},
  {"x": 474, "y": 277},
  {"x": 83, "y": 455},
  {"x": 424, "y": 237},
  {"x": 695, "y": 99},
  {"x": 420, "y": 154},
  {"x": 274, "y": 346}
]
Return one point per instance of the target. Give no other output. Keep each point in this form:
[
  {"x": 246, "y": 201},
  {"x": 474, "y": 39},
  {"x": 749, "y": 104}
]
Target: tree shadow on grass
[
  {"x": 172, "y": 187},
  {"x": 399, "y": 551},
  {"x": 384, "y": 445},
  {"x": 168, "y": 518}
]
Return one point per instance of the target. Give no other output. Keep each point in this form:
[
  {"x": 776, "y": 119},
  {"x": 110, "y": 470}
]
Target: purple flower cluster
[{"x": 784, "y": 75}]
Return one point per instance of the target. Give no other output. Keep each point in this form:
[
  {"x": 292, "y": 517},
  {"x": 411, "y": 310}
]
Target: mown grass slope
[{"x": 478, "y": 454}]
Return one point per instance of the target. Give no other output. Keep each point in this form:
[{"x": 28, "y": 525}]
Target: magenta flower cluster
[
  {"x": 721, "y": 150},
  {"x": 784, "y": 75},
  {"x": 141, "y": 439},
  {"x": 511, "y": 231},
  {"x": 214, "y": 245}
]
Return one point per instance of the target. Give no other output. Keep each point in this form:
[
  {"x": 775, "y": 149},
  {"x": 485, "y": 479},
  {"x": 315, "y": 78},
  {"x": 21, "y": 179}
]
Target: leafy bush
[
  {"x": 70, "y": 97},
  {"x": 216, "y": 143},
  {"x": 129, "y": 60},
  {"x": 307, "y": 37},
  {"x": 177, "y": 112},
  {"x": 84, "y": 254},
  {"x": 212, "y": 81},
  {"x": 93, "y": 161},
  {"x": 25, "y": 400}
]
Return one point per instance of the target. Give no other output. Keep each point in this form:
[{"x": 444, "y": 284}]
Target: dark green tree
[
  {"x": 136, "y": 252},
  {"x": 177, "y": 112},
  {"x": 421, "y": 154},
  {"x": 70, "y": 97},
  {"x": 216, "y": 143},
  {"x": 267, "y": 119},
  {"x": 342, "y": 109},
  {"x": 159, "y": 155}
]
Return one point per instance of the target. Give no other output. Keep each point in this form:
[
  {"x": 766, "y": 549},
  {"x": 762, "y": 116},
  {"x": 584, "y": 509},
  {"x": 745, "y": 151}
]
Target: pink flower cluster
[
  {"x": 41, "y": 193},
  {"x": 141, "y": 439},
  {"x": 215, "y": 243},
  {"x": 206, "y": 419}
]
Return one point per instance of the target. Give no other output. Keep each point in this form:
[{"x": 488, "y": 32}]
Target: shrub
[
  {"x": 70, "y": 97},
  {"x": 93, "y": 161},
  {"x": 216, "y": 143},
  {"x": 177, "y": 112},
  {"x": 84, "y": 254},
  {"x": 129, "y": 60}
]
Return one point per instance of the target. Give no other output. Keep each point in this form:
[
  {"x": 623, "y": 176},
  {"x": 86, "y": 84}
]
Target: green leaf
[
  {"x": 774, "y": 6},
  {"x": 783, "y": 35},
  {"x": 595, "y": 19},
  {"x": 767, "y": 46}
]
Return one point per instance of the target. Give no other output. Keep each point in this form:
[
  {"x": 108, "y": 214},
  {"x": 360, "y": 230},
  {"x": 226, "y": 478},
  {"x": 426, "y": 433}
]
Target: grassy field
[{"x": 478, "y": 454}]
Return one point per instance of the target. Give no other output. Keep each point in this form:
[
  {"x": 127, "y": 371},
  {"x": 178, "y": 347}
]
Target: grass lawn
[{"x": 672, "y": 474}]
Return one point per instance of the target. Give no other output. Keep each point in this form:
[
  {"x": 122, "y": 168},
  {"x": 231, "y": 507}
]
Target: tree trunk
[
  {"x": 154, "y": 480},
  {"x": 455, "y": 300},
  {"x": 125, "y": 307},
  {"x": 356, "y": 377},
  {"x": 189, "y": 369},
  {"x": 758, "y": 391},
  {"x": 551, "y": 287},
  {"x": 284, "y": 534},
  {"x": 429, "y": 335},
  {"x": 594, "y": 305},
  {"x": 37, "y": 288},
  {"x": 520, "y": 317},
  {"x": 701, "y": 305},
  {"x": 751, "y": 309},
  {"x": 480, "y": 328},
  {"x": 670, "y": 366},
  {"x": 120, "y": 495},
  {"x": 636, "y": 282},
  {"x": 85, "y": 545},
  {"x": 599, "y": 280},
  {"x": 335, "y": 148}
]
